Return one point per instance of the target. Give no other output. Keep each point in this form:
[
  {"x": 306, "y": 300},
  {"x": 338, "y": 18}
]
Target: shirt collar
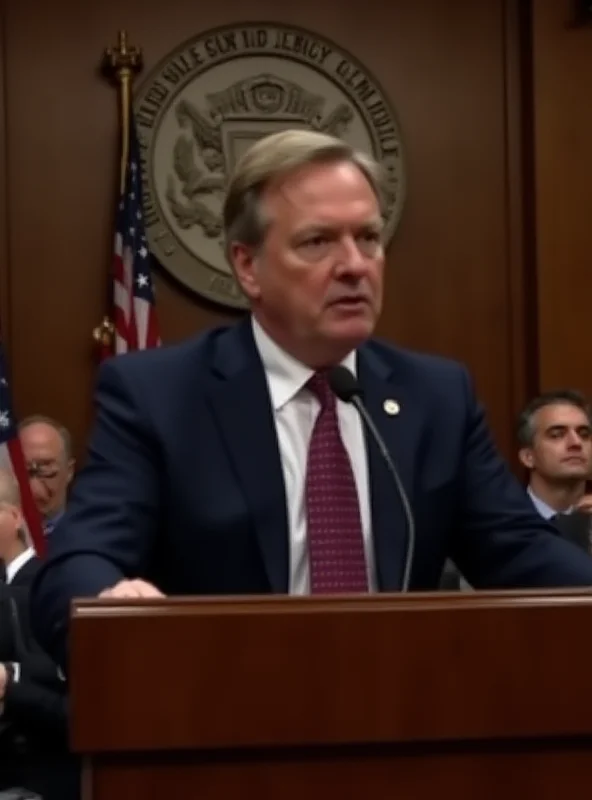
[
  {"x": 18, "y": 562},
  {"x": 285, "y": 375},
  {"x": 543, "y": 508}
]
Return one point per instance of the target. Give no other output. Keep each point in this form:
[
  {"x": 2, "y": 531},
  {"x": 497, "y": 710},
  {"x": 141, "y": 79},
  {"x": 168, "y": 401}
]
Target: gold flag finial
[
  {"x": 103, "y": 333},
  {"x": 123, "y": 60},
  {"x": 120, "y": 65}
]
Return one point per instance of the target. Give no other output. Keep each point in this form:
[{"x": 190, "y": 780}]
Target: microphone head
[{"x": 343, "y": 383}]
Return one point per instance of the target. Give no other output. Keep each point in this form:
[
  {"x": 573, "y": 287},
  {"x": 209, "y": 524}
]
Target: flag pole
[{"x": 120, "y": 64}]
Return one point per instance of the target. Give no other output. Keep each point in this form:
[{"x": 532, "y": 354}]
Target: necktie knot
[{"x": 319, "y": 386}]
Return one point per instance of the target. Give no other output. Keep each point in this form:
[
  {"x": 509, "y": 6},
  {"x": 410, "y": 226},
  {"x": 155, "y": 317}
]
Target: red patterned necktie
[{"x": 334, "y": 526}]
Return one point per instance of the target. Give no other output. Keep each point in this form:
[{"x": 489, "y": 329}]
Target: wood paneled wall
[
  {"x": 562, "y": 70},
  {"x": 456, "y": 268}
]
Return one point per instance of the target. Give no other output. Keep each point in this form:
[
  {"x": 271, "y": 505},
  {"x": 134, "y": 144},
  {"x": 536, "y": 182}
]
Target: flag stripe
[{"x": 134, "y": 312}]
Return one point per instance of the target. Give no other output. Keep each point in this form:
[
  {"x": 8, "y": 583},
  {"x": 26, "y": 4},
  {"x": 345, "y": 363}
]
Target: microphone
[{"x": 345, "y": 386}]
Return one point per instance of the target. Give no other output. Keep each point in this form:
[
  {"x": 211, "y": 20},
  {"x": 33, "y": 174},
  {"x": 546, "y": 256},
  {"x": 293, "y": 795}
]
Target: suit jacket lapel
[
  {"x": 240, "y": 401},
  {"x": 401, "y": 433}
]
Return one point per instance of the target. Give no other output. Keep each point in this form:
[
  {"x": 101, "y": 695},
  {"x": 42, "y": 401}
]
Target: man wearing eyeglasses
[{"x": 47, "y": 448}]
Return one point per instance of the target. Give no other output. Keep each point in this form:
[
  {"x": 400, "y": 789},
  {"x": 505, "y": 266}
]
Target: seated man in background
[
  {"x": 555, "y": 439},
  {"x": 47, "y": 448},
  {"x": 233, "y": 464},
  {"x": 33, "y": 701},
  {"x": 554, "y": 434}
]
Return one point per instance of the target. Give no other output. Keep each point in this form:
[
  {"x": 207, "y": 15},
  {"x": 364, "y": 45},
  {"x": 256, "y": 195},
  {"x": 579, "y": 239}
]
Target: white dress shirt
[
  {"x": 13, "y": 567},
  {"x": 543, "y": 508},
  {"x": 295, "y": 411}
]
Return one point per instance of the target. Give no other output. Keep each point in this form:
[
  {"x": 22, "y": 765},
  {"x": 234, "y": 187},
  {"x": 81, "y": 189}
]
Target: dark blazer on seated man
[
  {"x": 184, "y": 485},
  {"x": 34, "y": 748},
  {"x": 35, "y": 694},
  {"x": 16, "y": 639}
]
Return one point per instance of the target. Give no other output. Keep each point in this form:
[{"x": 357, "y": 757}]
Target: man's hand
[{"x": 131, "y": 589}]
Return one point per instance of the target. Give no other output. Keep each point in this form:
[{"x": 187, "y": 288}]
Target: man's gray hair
[
  {"x": 64, "y": 433},
  {"x": 274, "y": 156},
  {"x": 525, "y": 426}
]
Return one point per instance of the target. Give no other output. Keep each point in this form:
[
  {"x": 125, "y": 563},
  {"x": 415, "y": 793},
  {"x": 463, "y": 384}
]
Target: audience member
[
  {"x": 47, "y": 448},
  {"x": 555, "y": 439},
  {"x": 33, "y": 700}
]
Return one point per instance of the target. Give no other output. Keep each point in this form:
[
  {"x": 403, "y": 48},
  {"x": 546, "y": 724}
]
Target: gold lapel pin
[{"x": 391, "y": 407}]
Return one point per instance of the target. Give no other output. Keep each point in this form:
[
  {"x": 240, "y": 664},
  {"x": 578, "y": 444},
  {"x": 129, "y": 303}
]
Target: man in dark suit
[
  {"x": 47, "y": 448},
  {"x": 33, "y": 701},
  {"x": 555, "y": 438},
  {"x": 224, "y": 465},
  {"x": 554, "y": 433}
]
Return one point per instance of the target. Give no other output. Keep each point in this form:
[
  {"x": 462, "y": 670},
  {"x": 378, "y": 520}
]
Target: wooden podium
[{"x": 472, "y": 696}]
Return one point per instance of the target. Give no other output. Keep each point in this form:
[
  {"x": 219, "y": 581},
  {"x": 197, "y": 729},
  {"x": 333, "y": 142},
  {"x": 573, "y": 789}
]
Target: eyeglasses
[{"x": 44, "y": 470}]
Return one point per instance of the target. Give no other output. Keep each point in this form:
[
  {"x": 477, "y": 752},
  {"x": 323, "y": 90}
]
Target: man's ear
[
  {"x": 526, "y": 457},
  {"x": 17, "y": 515},
  {"x": 244, "y": 260}
]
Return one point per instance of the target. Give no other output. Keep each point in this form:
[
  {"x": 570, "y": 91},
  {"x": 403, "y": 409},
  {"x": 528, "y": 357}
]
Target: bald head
[
  {"x": 47, "y": 433},
  {"x": 48, "y": 454}
]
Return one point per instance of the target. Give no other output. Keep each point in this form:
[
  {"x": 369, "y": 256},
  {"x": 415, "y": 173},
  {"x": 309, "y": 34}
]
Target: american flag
[
  {"x": 12, "y": 460},
  {"x": 136, "y": 325}
]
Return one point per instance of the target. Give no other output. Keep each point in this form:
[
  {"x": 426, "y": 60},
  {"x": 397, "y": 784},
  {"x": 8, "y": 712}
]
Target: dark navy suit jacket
[{"x": 183, "y": 484}]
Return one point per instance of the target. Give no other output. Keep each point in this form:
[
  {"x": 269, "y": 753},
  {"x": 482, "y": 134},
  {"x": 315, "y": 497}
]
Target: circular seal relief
[{"x": 210, "y": 99}]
